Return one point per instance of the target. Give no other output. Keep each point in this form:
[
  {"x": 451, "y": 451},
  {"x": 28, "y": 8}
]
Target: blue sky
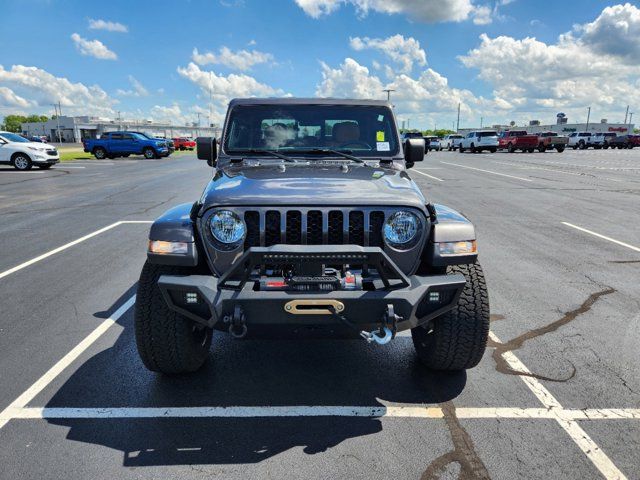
[{"x": 534, "y": 59}]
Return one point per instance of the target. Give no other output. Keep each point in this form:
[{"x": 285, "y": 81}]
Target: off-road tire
[
  {"x": 167, "y": 342},
  {"x": 457, "y": 339}
]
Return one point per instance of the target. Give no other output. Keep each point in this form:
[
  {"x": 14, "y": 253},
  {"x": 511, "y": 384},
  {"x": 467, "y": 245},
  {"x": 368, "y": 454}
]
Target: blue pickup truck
[{"x": 123, "y": 144}]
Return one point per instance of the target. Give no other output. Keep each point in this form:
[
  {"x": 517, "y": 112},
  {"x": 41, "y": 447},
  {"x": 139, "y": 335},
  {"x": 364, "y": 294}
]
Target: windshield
[
  {"x": 12, "y": 137},
  {"x": 360, "y": 130}
]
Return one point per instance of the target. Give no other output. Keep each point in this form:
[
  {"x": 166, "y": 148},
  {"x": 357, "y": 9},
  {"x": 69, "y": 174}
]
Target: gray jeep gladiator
[{"x": 311, "y": 226}]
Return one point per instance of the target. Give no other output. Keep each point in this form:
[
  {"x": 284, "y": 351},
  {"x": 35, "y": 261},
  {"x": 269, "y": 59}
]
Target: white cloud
[
  {"x": 616, "y": 31},
  {"x": 483, "y": 15},
  {"x": 238, "y": 60},
  {"x": 537, "y": 78},
  {"x": 98, "y": 24},
  {"x": 223, "y": 88},
  {"x": 424, "y": 99},
  {"x": 137, "y": 90},
  {"x": 8, "y": 98},
  {"x": 429, "y": 11},
  {"x": 41, "y": 89},
  {"x": 93, "y": 48},
  {"x": 170, "y": 114},
  {"x": 402, "y": 51}
]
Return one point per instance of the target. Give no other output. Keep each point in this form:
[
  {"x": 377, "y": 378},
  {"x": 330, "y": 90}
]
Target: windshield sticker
[
  {"x": 377, "y": 174},
  {"x": 383, "y": 147},
  {"x": 380, "y": 136},
  {"x": 380, "y": 118}
]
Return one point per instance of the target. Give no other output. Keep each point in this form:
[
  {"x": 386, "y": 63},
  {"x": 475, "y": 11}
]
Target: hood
[
  {"x": 313, "y": 185},
  {"x": 37, "y": 145}
]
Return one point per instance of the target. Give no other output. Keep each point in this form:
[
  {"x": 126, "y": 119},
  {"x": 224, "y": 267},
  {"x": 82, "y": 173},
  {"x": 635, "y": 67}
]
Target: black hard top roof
[{"x": 308, "y": 101}]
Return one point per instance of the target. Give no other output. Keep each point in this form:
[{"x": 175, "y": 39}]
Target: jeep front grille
[{"x": 314, "y": 227}]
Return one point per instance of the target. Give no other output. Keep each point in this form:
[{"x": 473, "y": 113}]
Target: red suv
[{"x": 184, "y": 143}]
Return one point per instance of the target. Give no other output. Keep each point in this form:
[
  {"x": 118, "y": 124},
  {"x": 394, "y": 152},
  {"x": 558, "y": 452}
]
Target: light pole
[
  {"x": 388, "y": 90},
  {"x": 458, "y": 124},
  {"x": 630, "y": 117},
  {"x": 588, "y": 116}
]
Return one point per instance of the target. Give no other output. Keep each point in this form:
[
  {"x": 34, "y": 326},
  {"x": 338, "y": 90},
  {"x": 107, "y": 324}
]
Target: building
[{"x": 76, "y": 129}]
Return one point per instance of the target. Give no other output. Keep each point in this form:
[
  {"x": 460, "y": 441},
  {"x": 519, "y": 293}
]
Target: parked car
[
  {"x": 551, "y": 140},
  {"x": 264, "y": 250},
  {"x": 23, "y": 154},
  {"x": 512, "y": 140},
  {"x": 123, "y": 144},
  {"x": 601, "y": 139},
  {"x": 452, "y": 142},
  {"x": 480, "y": 140},
  {"x": 580, "y": 140},
  {"x": 184, "y": 143},
  {"x": 625, "y": 141},
  {"x": 433, "y": 143}
]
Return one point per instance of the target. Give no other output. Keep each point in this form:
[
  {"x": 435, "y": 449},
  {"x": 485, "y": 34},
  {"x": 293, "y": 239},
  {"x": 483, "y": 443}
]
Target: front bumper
[
  {"x": 214, "y": 302},
  {"x": 46, "y": 160}
]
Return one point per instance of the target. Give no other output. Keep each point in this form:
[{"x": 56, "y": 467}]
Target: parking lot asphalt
[{"x": 557, "y": 394}]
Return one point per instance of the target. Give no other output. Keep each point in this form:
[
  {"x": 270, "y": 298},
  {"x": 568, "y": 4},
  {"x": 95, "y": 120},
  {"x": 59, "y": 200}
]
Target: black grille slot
[
  {"x": 356, "y": 228},
  {"x": 294, "y": 227},
  {"x": 252, "y": 220},
  {"x": 272, "y": 228},
  {"x": 314, "y": 227},
  {"x": 335, "y": 236},
  {"x": 376, "y": 222}
]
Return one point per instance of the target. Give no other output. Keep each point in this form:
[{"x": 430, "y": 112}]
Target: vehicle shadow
[{"x": 244, "y": 373}]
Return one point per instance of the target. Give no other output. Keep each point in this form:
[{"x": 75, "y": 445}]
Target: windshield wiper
[
  {"x": 270, "y": 152},
  {"x": 324, "y": 151}
]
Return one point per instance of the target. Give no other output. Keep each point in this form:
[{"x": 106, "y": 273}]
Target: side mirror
[
  {"x": 207, "y": 149},
  {"x": 414, "y": 151}
]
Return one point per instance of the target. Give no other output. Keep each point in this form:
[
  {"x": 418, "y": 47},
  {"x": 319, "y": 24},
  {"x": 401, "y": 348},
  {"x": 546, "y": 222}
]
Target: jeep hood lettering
[{"x": 313, "y": 185}]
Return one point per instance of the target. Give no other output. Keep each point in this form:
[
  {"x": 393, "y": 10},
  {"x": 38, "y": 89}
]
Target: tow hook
[
  {"x": 384, "y": 334},
  {"x": 237, "y": 327}
]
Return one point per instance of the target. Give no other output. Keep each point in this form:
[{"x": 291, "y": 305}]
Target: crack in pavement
[
  {"x": 463, "y": 453},
  {"x": 514, "y": 344},
  {"x": 624, "y": 261}
]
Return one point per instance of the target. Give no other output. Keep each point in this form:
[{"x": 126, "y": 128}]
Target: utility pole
[
  {"x": 55, "y": 107},
  {"x": 119, "y": 121},
  {"x": 630, "y": 117},
  {"x": 388, "y": 90},
  {"x": 626, "y": 114},
  {"x": 408, "y": 124},
  {"x": 210, "y": 98},
  {"x": 481, "y": 121},
  {"x": 198, "y": 127},
  {"x": 458, "y": 124},
  {"x": 588, "y": 116}
]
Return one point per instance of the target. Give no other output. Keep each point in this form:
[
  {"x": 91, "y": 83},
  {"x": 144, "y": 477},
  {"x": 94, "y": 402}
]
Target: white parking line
[
  {"x": 68, "y": 245},
  {"x": 577, "y": 434},
  {"x": 426, "y": 175},
  {"x": 604, "y": 237},
  {"x": 316, "y": 411},
  {"x": 488, "y": 171},
  {"x": 63, "y": 363}
]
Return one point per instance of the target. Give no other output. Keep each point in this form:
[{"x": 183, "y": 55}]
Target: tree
[
  {"x": 37, "y": 118},
  {"x": 12, "y": 123}
]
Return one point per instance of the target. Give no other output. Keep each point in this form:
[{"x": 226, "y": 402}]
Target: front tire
[
  {"x": 457, "y": 339},
  {"x": 22, "y": 162},
  {"x": 100, "y": 153},
  {"x": 149, "y": 153},
  {"x": 167, "y": 342},
  {"x": 560, "y": 149}
]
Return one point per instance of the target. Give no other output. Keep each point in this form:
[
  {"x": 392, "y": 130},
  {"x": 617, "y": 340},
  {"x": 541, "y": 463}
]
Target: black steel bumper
[{"x": 213, "y": 301}]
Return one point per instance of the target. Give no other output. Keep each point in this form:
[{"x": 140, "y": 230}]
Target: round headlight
[
  {"x": 227, "y": 227},
  {"x": 401, "y": 228}
]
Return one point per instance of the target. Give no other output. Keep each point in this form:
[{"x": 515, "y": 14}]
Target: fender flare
[
  {"x": 448, "y": 226},
  {"x": 175, "y": 225}
]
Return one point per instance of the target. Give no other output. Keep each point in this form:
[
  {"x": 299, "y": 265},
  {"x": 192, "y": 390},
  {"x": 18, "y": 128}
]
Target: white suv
[
  {"x": 579, "y": 140},
  {"x": 452, "y": 142},
  {"x": 601, "y": 139},
  {"x": 23, "y": 154},
  {"x": 480, "y": 140}
]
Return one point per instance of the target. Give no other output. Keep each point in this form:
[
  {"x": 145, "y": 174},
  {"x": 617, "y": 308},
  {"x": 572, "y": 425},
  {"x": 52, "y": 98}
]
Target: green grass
[{"x": 75, "y": 154}]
